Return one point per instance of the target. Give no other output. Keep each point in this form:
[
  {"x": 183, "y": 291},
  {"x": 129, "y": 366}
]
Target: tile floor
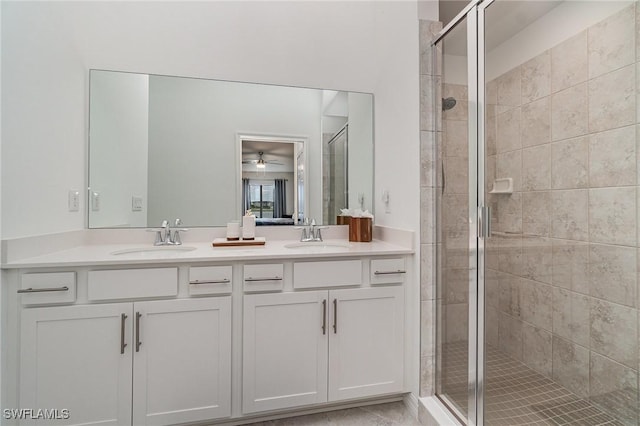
[
  {"x": 517, "y": 395},
  {"x": 389, "y": 414}
]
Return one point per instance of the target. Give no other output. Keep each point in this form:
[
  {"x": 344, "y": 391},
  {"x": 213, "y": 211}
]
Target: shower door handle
[
  {"x": 484, "y": 222},
  {"x": 442, "y": 168}
]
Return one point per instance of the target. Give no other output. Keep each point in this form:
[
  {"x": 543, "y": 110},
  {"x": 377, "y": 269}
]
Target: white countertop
[{"x": 102, "y": 254}]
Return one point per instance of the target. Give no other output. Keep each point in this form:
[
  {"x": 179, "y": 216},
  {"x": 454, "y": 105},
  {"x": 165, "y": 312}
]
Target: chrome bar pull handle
[
  {"x": 138, "y": 342},
  {"x": 222, "y": 281},
  {"x": 389, "y": 272},
  {"x": 324, "y": 317},
  {"x": 123, "y": 318},
  {"x": 42, "y": 290},
  {"x": 335, "y": 316},
  {"x": 251, "y": 279}
]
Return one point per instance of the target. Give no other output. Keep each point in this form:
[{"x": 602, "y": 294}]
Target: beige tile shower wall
[
  {"x": 454, "y": 203},
  {"x": 562, "y": 278},
  {"x": 428, "y": 138}
]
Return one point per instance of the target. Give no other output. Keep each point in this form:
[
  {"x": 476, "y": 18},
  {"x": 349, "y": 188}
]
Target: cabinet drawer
[
  {"x": 210, "y": 280},
  {"x": 132, "y": 283},
  {"x": 265, "y": 277},
  {"x": 327, "y": 274},
  {"x": 388, "y": 271},
  {"x": 43, "y": 288}
]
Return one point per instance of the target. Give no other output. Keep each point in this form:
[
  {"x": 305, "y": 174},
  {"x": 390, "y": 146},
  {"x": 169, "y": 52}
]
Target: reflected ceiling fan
[{"x": 261, "y": 163}]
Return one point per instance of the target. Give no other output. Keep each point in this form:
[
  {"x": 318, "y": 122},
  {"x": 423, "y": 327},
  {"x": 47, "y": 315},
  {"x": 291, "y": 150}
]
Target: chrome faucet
[
  {"x": 176, "y": 233},
  {"x": 164, "y": 236},
  {"x": 166, "y": 232},
  {"x": 310, "y": 231}
]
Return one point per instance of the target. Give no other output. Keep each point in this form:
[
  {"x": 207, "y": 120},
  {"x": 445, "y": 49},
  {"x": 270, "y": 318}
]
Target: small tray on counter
[{"x": 223, "y": 242}]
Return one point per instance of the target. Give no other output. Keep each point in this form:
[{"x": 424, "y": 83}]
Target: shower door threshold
[{"x": 433, "y": 411}]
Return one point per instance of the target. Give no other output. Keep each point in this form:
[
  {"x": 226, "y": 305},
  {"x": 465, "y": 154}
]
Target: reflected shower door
[
  {"x": 456, "y": 209},
  {"x": 338, "y": 175}
]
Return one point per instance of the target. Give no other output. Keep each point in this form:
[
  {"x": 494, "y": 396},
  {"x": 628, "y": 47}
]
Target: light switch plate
[
  {"x": 95, "y": 201},
  {"x": 74, "y": 200},
  {"x": 136, "y": 204},
  {"x": 385, "y": 200}
]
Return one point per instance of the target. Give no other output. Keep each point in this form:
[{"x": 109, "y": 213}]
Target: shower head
[{"x": 448, "y": 103}]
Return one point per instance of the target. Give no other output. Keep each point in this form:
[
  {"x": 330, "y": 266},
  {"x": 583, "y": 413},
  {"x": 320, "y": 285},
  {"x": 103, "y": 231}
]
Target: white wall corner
[{"x": 429, "y": 10}]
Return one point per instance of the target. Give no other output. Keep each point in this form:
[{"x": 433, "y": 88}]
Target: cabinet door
[
  {"x": 74, "y": 358},
  {"x": 366, "y": 345},
  {"x": 285, "y": 350},
  {"x": 182, "y": 361}
]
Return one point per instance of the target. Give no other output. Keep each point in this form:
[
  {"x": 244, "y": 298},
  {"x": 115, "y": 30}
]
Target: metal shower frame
[{"x": 479, "y": 213}]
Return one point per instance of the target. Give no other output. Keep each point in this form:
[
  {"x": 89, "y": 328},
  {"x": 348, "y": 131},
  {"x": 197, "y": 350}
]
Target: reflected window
[{"x": 261, "y": 197}]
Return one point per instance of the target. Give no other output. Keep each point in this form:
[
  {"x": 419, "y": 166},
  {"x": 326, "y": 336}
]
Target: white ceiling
[
  {"x": 504, "y": 19},
  {"x": 250, "y": 148},
  {"x": 273, "y": 151}
]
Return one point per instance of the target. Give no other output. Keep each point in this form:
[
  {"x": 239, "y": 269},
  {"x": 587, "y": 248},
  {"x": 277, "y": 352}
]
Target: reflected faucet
[
  {"x": 164, "y": 237},
  {"x": 176, "y": 233},
  {"x": 310, "y": 231}
]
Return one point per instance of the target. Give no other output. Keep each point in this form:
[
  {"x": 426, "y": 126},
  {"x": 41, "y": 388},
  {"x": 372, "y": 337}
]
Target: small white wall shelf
[{"x": 502, "y": 186}]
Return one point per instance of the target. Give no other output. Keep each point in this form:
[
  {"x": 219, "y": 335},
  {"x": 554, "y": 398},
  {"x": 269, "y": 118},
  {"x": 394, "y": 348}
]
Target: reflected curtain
[
  {"x": 246, "y": 197},
  {"x": 279, "y": 198}
]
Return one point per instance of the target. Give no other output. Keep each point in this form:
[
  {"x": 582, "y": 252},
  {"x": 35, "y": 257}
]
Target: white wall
[
  {"x": 194, "y": 125},
  {"x": 366, "y": 46},
  {"x": 119, "y": 138},
  {"x": 428, "y": 10},
  {"x": 396, "y": 112},
  {"x": 360, "y": 135}
]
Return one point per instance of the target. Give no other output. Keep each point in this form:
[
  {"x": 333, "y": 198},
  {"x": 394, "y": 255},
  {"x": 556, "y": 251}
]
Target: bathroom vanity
[{"x": 129, "y": 334}]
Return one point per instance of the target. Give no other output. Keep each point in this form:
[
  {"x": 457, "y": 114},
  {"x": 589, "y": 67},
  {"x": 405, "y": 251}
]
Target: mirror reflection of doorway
[
  {"x": 336, "y": 165},
  {"x": 270, "y": 179}
]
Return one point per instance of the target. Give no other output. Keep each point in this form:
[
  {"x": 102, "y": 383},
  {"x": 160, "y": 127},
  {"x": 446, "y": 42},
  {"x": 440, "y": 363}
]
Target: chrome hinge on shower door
[{"x": 484, "y": 222}]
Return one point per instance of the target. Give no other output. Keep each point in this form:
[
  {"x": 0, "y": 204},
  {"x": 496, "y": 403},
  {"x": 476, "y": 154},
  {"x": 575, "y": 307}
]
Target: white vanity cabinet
[
  {"x": 284, "y": 350},
  {"x": 215, "y": 341},
  {"x": 307, "y": 347},
  {"x": 366, "y": 344},
  {"x": 182, "y": 360},
  {"x": 74, "y": 358},
  {"x": 82, "y": 358}
]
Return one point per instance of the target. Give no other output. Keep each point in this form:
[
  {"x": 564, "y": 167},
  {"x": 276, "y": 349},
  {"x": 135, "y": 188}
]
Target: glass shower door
[
  {"x": 456, "y": 220},
  {"x": 561, "y": 176}
]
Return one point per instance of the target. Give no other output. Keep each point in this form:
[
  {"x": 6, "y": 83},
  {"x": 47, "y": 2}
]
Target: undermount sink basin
[
  {"x": 319, "y": 246},
  {"x": 154, "y": 250}
]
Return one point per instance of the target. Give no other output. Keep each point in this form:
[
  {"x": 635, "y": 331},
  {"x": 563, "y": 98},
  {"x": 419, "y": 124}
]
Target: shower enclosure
[{"x": 537, "y": 216}]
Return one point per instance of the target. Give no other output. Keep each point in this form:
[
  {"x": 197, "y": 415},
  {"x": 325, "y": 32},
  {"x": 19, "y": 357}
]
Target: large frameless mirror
[{"x": 164, "y": 147}]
